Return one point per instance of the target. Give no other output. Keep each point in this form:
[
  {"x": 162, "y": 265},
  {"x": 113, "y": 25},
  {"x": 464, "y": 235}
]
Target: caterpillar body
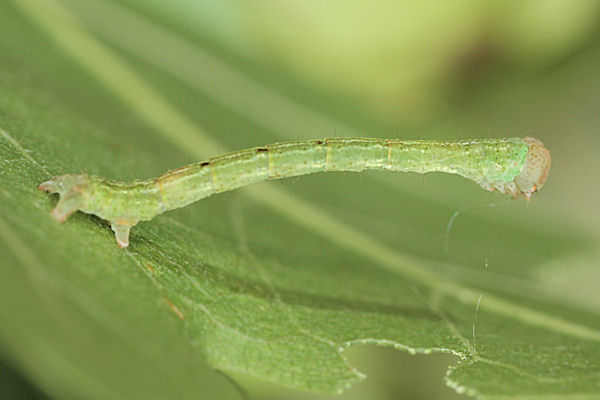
[{"x": 517, "y": 166}]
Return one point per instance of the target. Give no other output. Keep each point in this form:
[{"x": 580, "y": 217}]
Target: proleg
[{"x": 517, "y": 166}]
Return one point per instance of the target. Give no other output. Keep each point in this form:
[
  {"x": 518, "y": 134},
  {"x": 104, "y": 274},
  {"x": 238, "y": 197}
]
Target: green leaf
[
  {"x": 278, "y": 279},
  {"x": 13, "y": 386}
]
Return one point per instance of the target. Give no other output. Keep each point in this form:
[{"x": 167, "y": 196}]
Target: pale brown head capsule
[{"x": 535, "y": 171}]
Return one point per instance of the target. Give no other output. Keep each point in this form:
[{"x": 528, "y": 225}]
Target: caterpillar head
[
  {"x": 73, "y": 191},
  {"x": 535, "y": 171}
]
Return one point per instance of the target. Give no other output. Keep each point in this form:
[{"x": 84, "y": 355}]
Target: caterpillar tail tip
[
  {"x": 60, "y": 215},
  {"x": 71, "y": 189},
  {"x": 48, "y": 186}
]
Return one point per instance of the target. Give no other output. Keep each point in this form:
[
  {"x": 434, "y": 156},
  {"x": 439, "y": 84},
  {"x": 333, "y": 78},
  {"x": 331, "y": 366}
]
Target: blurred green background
[{"x": 410, "y": 69}]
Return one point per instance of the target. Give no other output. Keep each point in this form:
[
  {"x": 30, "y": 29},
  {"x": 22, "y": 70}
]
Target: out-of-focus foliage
[{"x": 402, "y": 58}]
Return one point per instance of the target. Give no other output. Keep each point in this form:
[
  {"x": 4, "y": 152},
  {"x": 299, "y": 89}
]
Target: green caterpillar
[{"x": 517, "y": 166}]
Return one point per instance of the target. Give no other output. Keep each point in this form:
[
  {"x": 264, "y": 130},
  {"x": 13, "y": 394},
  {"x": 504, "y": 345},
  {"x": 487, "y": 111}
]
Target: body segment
[{"x": 514, "y": 165}]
